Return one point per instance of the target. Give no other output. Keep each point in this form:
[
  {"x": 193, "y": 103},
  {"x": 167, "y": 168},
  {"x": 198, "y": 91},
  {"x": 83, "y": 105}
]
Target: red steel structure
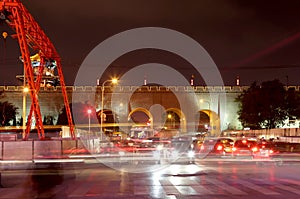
[{"x": 31, "y": 36}]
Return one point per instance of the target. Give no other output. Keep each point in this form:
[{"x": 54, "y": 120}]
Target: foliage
[
  {"x": 8, "y": 113},
  {"x": 48, "y": 120},
  {"x": 268, "y": 105}
]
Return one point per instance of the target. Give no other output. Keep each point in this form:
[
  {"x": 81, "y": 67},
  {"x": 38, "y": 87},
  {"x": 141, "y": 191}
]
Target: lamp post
[
  {"x": 89, "y": 111},
  {"x": 113, "y": 81},
  {"x": 25, "y": 91},
  {"x": 202, "y": 101}
]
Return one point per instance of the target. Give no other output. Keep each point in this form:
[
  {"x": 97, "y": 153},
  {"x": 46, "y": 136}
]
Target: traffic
[{"x": 190, "y": 148}]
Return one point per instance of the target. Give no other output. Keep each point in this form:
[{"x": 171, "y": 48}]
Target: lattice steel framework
[{"x": 31, "y": 36}]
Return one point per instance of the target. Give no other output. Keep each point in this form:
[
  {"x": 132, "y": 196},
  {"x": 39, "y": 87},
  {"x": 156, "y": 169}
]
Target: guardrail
[{"x": 40, "y": 149}]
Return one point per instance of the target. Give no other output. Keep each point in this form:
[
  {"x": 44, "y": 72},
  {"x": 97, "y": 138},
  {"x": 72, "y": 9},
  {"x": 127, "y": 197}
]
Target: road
[{"x": 207, "y": 178}]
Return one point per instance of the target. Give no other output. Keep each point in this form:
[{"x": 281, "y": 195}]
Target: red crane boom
[{"x": 31, "y": 36}]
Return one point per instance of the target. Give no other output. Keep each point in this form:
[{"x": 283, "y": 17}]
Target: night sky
[{"x": 257, "y": 40}]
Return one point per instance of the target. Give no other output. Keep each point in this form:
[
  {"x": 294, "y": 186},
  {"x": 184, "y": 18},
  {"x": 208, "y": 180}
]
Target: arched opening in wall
[
  {"x": 203, "y": 122},
  {"x": 174, "y": 121},
  {"x": 141, "y": 121},
  {"x": 208, "y": 122},
  {"x": 109, "y": 121}
]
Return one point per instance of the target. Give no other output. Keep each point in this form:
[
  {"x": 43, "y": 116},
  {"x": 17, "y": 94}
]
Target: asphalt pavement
[{"x": 205, "y": 178}]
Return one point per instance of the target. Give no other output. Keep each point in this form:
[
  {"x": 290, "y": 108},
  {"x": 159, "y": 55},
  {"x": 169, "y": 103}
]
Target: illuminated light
[
  {"x": 16, "y": 161},
  {"x": 89, "y": 111},
  {"x": 234, "y": 149},
  {"x": 191, "y": 154},
  {"x": 159, "y": 147},
  {"x": 244, "y": 141},
  {"x": 192, "y": 146},
  {"x": 254, "y": 149},
  {"x": 271, "y": 151},
  {"x": 114, "y": 80},
  {"x": 4, "y": 35},
  {"x": 202, "y": 147},
  {"x": 146, "y": 141},
  {"x": 219, "y": 147},
  {"x": 169, "y": 116},
  {"x": 25, "y": 89},
  {"x": 58, "y": 160}
]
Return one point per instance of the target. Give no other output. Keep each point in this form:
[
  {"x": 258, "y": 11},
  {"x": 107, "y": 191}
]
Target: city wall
[{"x": 51, "y": 100}]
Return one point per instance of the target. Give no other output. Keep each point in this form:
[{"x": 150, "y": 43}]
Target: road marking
[
  {"x": 171, "y": 190},
  {"x": 226, "y": 187},
  {"x": 177, "y": 181},
  {"x": 186, "y": 190},
  {"x": 256, "y": 187}
]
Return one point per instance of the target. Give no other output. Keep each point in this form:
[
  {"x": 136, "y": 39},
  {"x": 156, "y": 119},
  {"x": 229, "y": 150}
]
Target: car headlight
[
  {"x": 159, "y": 147},
  {"x": 191, "y": 154}
]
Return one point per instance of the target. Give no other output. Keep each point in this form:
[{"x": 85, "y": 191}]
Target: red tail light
[
  {"x": 254, "y": 149},
  {"x": 219, "y": 147}
]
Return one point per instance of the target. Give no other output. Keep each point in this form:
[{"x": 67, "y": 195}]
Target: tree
[
  {"x": 8, "y": 113},
  {"x": 268, "y": 105},
  {"x": 293, "y": 104}
]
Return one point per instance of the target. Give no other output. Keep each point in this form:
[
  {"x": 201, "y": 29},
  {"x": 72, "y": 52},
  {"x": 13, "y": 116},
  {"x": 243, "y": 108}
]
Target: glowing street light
[
  {"x": 89, "y": 111},
  {"x": 113, "y": 81}
]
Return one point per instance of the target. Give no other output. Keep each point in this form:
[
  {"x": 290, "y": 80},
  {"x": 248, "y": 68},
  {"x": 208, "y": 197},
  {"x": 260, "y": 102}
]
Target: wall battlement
[
  {"x": 144, "y": 88},
  {"x": 226, "y": 89}
]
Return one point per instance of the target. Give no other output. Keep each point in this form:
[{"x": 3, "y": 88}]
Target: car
[
  {"x": 183, "y": 149},
  {"x": 219, "y": 146},
  {"x": 245, "y": 148},
  {"x": 266, "y": 149}
]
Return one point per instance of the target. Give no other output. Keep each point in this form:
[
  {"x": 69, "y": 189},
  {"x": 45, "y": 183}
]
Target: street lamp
[
  {"x": 25, "y": 91},
  {"x": 113, "y": 81},
  {"x": 89, "y": 111}
]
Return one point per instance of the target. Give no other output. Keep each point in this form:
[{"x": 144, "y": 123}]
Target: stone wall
[{"x": 51, "y": 99}]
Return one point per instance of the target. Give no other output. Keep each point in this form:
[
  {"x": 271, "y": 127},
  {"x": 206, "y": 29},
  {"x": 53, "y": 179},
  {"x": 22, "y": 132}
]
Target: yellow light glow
[
  {"x": 114, "y": 81},
  {"x": 25, "y": 89}
]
